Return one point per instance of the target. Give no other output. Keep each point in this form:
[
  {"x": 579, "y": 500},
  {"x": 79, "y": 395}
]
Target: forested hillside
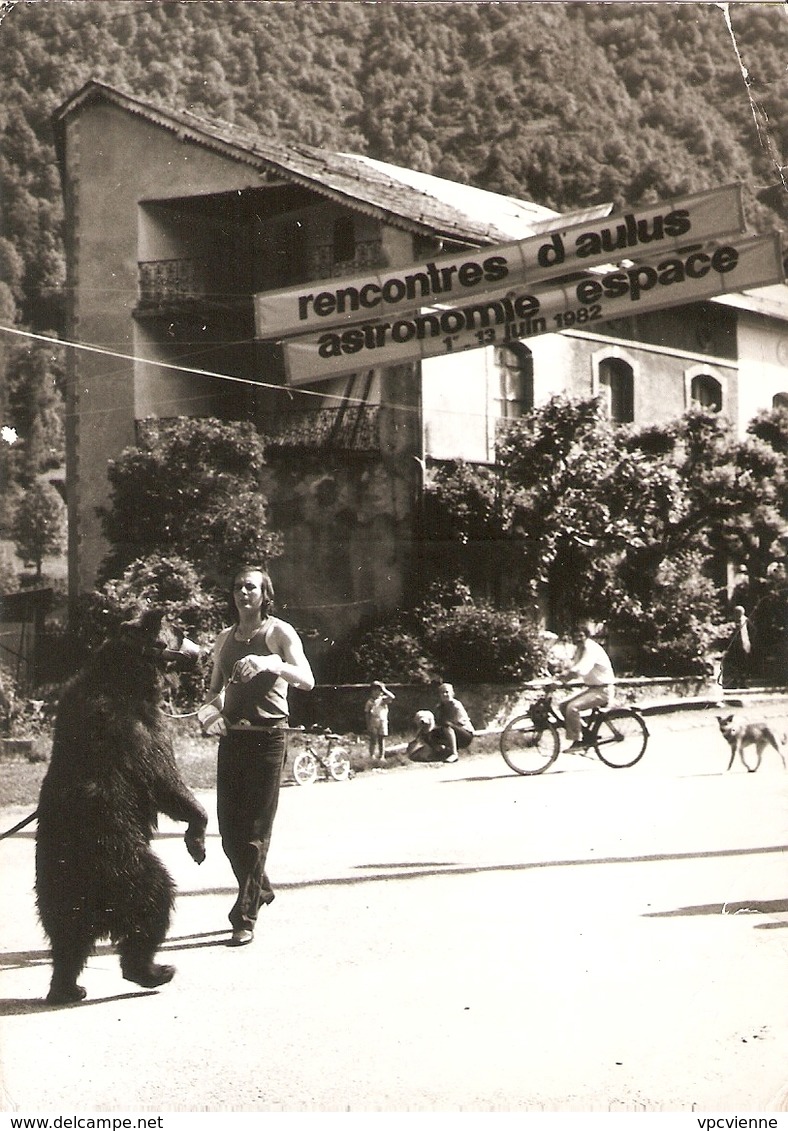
[{"x": 564, "y": 104}]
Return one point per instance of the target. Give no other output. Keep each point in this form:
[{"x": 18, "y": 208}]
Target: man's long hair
[{"x": 267, "y": 586}]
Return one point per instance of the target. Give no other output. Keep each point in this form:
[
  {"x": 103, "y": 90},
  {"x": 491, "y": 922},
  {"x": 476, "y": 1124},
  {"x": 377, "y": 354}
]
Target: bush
[
  {"x": 166, "y": 582},
  {"x": 388, "y": 653},
  {"x": 479, "y": 644},
  {"x": 22, "y": 715},
  {"x": 449, "y": 636}
]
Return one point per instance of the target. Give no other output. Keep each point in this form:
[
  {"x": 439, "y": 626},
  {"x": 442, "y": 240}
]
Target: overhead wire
[{"x": 290, "y": 391}]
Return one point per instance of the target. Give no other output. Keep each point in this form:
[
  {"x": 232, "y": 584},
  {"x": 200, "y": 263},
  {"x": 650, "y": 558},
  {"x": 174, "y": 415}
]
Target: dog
[{"x": 740, "y": 734}]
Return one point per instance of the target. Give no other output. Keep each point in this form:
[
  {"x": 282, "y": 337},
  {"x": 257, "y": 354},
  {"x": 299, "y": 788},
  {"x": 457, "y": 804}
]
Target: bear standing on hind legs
[{"x": 112, "y": 772}]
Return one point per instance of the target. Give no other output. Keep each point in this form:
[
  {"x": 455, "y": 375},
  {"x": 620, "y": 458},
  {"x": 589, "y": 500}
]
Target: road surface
[{"x": 448, "y": 938}]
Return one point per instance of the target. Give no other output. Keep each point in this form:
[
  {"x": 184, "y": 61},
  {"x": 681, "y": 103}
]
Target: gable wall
[
  {"x": 763, "y": 345},
  {"x": 113, "y": 160}
]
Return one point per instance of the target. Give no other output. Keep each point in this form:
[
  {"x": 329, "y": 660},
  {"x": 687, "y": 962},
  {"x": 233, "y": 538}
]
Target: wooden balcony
[{"x": 164, "y": 283}]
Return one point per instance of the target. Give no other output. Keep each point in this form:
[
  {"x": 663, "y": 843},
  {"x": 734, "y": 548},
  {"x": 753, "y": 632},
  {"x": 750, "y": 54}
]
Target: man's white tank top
[{"x": 261, "y": 701}]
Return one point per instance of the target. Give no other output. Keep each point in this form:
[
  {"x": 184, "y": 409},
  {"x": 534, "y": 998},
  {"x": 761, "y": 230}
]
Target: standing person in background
[
  {"x": 592, "y": 665},
  {"x": 376, "y": 714},
  {"x": 737, "y": 663},
  {"x": 255, "y": 662}
]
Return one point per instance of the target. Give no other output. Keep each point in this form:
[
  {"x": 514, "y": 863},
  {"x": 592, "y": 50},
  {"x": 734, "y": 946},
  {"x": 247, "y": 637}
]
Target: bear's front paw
[{"x": 195, "y": 845}]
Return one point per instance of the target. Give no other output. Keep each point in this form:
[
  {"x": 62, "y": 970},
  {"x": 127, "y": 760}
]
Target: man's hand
[
  {"x": 250, "y": 666},
  {"x": 211, "y": 720}
]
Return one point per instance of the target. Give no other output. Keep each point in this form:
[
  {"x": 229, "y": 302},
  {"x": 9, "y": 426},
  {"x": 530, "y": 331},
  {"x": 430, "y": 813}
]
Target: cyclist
[{"x": 592, "y": 665}]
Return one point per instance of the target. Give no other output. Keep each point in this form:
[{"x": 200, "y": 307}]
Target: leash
[{"x": 20, "y": 825}]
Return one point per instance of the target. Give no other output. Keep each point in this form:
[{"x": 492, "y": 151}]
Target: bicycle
[
  {"x": 530, "y": 743},
  {"x": 309, "y": 763}
]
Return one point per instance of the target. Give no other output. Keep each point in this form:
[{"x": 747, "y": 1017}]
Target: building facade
[{"x": 174, "y": 223}]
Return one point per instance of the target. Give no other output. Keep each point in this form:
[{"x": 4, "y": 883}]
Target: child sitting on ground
[{"x": 442, "y": 731}]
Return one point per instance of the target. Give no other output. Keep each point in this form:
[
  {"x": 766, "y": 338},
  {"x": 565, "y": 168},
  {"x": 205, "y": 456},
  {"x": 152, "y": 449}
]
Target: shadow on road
[
  {"x": 21, "y": 959},
  {"x": 415, "y": 870},
  {"x": 16, "y": 1007},
  {"x": 744, "y": 907}
]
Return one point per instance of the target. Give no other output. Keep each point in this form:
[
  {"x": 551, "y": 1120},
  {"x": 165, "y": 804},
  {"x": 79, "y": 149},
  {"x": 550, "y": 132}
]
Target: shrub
[
  {"x": 449, "y": 636},
  {"x": 389, "y": 653},
  {"x": 479, "y": 644},
  {"x": 167, "y": 582},
  {"x": 173, "y": 585}
]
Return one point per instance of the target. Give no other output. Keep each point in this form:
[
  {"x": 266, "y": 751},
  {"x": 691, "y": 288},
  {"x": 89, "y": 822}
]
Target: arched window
[
  {"x": 706, "y": 391},
  {"x": 780, "y": 400},
  {"x": 515, "y": 365},
  {"x": 617, "y": 387}
]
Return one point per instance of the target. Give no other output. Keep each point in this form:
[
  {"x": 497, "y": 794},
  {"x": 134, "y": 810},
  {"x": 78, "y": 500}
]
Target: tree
[
  {"x": 34, "y": 380},
  {"x": 191, "y": 489},
  {"x": 732, "y": 498},
  {"x": 471, "y": 96},
  {"x": 39, "y": 527},
  {"x": 629, "y": 526},
  {"x": 556, "y": 512},
  {"x": 462, "y": 527}
]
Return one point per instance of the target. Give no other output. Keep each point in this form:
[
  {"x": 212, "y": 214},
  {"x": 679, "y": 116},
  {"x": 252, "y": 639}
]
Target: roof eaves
[{"x": 323, "y": 179}]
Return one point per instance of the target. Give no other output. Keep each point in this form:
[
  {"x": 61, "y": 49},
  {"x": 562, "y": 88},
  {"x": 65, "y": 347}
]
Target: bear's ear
[{"x": 147, "y": 624}]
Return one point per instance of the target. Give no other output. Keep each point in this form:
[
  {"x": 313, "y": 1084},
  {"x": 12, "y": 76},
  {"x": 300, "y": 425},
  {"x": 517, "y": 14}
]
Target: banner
[
  {"x": 555, "y": 251},
  {"x": 694, "y": 273}
]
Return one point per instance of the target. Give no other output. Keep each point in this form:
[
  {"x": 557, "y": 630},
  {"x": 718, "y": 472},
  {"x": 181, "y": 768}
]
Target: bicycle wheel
[
  {"x": 620, "y": 738},
  {"x": 338, "y": 763},
  {"x": 305, "y": 767},
  {"x": 527, "y": 748}
]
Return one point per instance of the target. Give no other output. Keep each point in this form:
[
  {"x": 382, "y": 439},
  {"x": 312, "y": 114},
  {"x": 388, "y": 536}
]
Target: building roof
[
  {"x": 415, "y": 201},
  {"x": 770, "y": 301}
]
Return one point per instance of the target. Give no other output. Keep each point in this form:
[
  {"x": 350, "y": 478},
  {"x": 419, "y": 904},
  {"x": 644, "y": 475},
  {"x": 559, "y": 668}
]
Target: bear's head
[{"x": 153, "y": 636}]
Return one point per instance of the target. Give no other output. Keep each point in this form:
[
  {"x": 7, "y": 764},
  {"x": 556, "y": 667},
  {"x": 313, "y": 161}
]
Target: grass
[{"x": 20, "y": 778}]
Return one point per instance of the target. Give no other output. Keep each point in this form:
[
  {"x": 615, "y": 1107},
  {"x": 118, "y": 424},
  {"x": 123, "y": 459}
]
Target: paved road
[{"x": 449, "y": 938}]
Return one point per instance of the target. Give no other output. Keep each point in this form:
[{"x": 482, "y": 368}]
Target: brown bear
[{"x": 112, "y": 772}]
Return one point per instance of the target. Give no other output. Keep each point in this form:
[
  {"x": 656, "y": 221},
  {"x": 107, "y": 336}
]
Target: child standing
[{"x": 376, "y": 712}]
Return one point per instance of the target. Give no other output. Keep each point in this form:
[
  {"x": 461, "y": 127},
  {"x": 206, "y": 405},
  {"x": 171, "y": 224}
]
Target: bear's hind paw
[
  {"x": 149, "y": 977},
  {"x": 66, "y": 995}
]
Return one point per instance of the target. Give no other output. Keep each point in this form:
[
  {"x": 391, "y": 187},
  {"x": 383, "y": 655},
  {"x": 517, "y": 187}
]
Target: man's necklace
[{"x": 247, "y": 639}]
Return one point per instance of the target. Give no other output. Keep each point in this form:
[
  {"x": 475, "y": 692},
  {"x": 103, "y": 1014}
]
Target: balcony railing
[
  {"x": 164, "y": 281},
  {"x": 352, "y": 428},
  {"x": 322, "y": 265}
]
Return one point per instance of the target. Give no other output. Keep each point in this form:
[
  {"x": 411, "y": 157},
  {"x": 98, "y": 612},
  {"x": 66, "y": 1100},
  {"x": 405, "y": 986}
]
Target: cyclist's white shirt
[{"x": 593, "y": 665}]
